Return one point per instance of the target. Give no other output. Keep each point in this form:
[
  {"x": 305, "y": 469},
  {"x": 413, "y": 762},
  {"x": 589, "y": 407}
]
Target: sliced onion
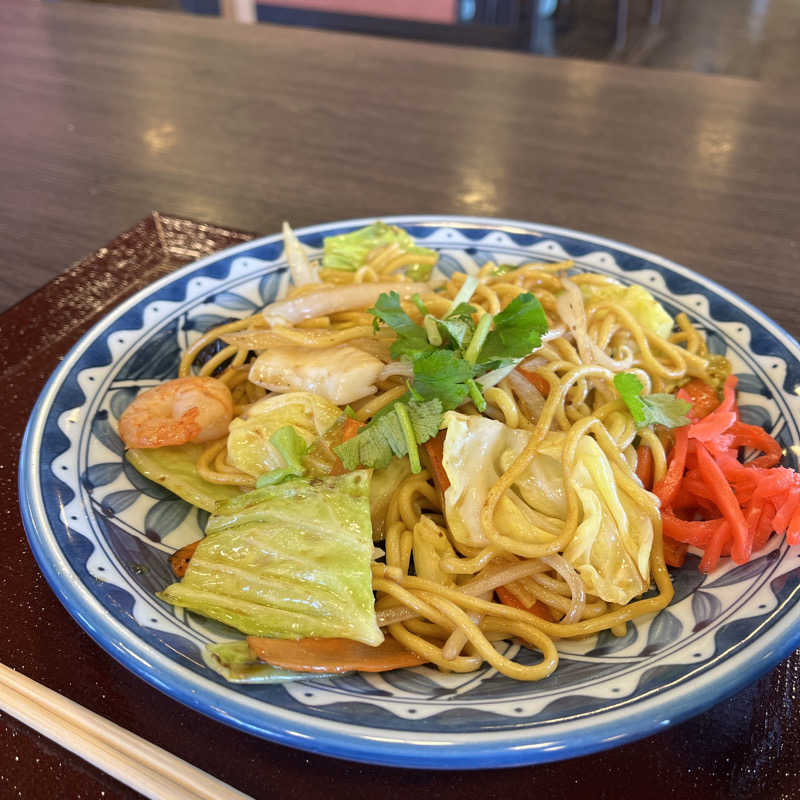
[
  {"x": 487, "y": 582},
  {"x": 377, "y": 346},
  {"x": 573, "y": 314},
  {"x": 403, "y": 368},
  {"x": 530, "y": 399},
  {"x": 575, "y": 583},
  {"x": 261, "y": 339},
  {"x": 300, "y": 266},
  {"x": 331, "y": 299},
  {"x": 495, "y": 376},
  {"x": 455, "y": 643}
]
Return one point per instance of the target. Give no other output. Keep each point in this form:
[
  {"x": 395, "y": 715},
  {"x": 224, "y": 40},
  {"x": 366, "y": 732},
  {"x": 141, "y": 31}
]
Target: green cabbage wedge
[
  {"x": 175, "y": 469},
  {"x": 288, "y": 561}
]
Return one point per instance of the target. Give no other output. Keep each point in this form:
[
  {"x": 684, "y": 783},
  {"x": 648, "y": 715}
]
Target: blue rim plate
[{"x": 101, "y": 534}]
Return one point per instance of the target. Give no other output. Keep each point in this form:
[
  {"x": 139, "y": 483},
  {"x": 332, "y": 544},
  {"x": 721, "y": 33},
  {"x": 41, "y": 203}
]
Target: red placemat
[{"x": 36, "y": 634}]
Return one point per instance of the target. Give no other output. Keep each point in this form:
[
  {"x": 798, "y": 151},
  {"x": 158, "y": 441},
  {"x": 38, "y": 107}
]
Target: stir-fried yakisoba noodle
[{"x": 523, "y": 517}]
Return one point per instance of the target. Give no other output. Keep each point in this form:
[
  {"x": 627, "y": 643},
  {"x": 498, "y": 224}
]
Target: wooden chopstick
[{"x": 130, "y": 759}]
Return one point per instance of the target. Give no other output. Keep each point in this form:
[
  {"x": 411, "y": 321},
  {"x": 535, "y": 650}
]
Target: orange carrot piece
[
  {"x": 644, "y": 465},
  {"x": 674, "y": 552},
  {"x": 507, "y": 598},
  {"x": 351, "y": 428},
  {"x": 323, "y": 655},
  {"x": 179, "y": 560},
  {"x": 435, "y": 450},
  {"x": 539, "y": 383}
]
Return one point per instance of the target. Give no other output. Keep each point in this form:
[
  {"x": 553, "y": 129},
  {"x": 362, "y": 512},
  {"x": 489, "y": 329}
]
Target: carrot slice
[
  {"x": 644, "y": 465},
  {"x": 332, "y": 655},
  {"x": 351, "y": 428},
  {"x": 539, "y": 383},
  {"x": 179, "y": 560},
  {"x": 507, "y": 598},
  {"x": 435, "y": 450}
]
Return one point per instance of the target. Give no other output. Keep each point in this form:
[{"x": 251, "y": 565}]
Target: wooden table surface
[{"x": 109, "y": 113}]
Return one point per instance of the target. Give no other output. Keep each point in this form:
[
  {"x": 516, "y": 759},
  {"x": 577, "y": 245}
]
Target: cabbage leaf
[
  {"x": 348, "y": 251},
  {"x": 175, "y": 469},
  {"x": 237, "y": 663},
  {"x": 288, "y": 561},
  {"x": 644, "y": 308},
  {"x": 611, "y": 547},
  {"x": 249, "y": 445}
]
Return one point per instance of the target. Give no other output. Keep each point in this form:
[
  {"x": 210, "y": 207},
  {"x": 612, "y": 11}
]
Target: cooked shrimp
[{"x": 176, "y": 412}]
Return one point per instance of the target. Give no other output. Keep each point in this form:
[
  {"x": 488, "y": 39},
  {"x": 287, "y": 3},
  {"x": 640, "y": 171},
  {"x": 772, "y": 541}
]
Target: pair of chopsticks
[{"x": 130, "y": 759}]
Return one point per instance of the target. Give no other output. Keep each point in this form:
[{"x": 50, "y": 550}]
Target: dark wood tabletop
[{"x": 110, "y": 113}]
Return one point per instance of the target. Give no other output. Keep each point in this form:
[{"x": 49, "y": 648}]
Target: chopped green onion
[
  {"x": 476, "y": 395},
  {"x": 464, "y": 293},
  {"x": 478, "y": 338},
  {"x": 408, "y": 433},
  {"x": 432, "y": 331},
  {"x": 417, "y": 301},
  {"x": 413, "y": 392}
]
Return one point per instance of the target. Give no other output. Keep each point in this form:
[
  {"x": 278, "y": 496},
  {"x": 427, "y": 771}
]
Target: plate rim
[{"x": 439, "y": 751}]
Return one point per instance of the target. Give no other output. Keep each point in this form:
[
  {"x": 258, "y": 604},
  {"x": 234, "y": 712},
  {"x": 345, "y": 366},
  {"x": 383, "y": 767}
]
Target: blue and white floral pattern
[{"x": 102, "y": 533}]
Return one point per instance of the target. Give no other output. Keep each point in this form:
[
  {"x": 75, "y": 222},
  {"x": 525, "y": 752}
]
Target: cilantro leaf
[
  {"x": 442, "y": 374},
  {"x": 388, "y": 435},
  {"x": 426, "y": 418},
  {"x": 629, "y": 388},
  {"x": 448, "y": 353},
  {"x": 651, "y": 409},
  {"x": 459, "y": 330},
  {"x": 412, "y": 340},
  {"x": 459, "y": 325},
  {"x": 389, "y": 310},
  {"x": 462, "y": 311},
  {"x": 517, "y": 331}
]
